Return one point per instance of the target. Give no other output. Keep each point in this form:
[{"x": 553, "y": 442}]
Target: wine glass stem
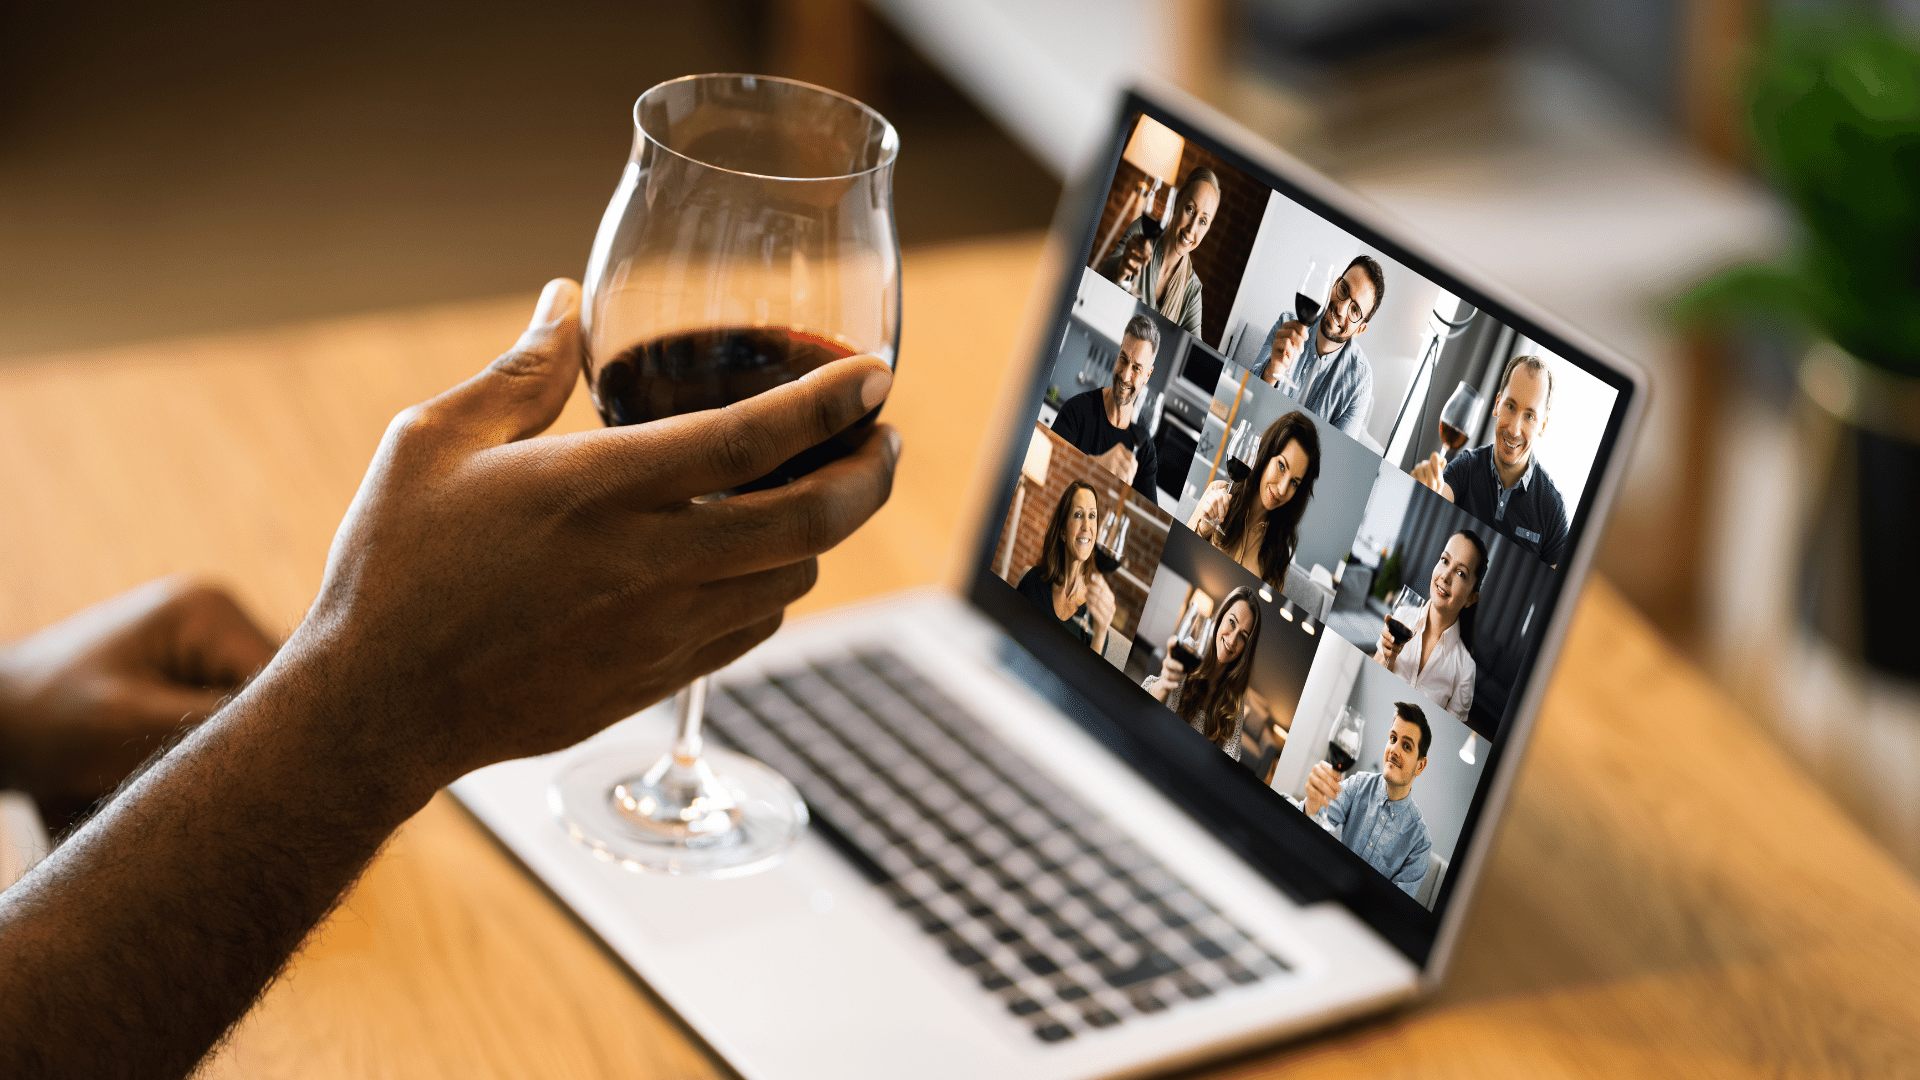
[{"x": 692, "y": 703}]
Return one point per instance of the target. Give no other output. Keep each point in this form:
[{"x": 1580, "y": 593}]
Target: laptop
[{"x": 1208, "y": 746}]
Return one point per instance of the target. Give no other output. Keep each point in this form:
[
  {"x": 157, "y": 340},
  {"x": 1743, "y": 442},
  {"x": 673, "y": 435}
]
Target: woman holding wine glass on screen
[
  {"x": 1429, "y": 644},
  {"x": 1256, "y": 519},
  {"x": 1211, "y": 695},
  {"x": 1066, "y": 583}
]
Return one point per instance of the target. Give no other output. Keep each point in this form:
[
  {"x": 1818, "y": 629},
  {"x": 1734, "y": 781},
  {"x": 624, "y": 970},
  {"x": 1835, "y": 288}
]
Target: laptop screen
[{"x": 1290, "y": 508}]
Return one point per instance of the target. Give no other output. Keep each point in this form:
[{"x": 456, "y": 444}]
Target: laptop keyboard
[{"x": 1068, "y": 923}]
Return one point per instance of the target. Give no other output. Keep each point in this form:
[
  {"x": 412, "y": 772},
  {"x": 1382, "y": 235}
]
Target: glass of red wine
[
  {"x": 1406, "y": 615},
  {"x": 750, "y": 240},
  {"x": 1112, "y": 543},
  {"x": 1457, "y": 418},
  {"x": 1343, "y": 742},
  {"x": 1190, "y": 642}
]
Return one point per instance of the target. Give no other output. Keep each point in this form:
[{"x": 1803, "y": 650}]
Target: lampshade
[{"x": 1155, "y": 150}]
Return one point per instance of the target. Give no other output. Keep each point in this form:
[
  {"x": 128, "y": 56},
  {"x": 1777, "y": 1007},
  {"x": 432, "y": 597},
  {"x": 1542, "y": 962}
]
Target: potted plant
[{"x": 1835, "y": 123}]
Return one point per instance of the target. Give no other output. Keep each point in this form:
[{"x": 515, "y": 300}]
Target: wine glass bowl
[
  {"x": 1458, "y": 418},
  {"x": 749, "y": 241},
  {"x": 1343, "y": 742},
  {"x": 1404, "y": 620},
  {"x": 1190, "y": 640}
]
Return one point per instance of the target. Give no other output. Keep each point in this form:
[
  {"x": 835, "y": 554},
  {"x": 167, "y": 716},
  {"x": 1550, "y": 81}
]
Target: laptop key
[{"x": 1151, "y": 966}]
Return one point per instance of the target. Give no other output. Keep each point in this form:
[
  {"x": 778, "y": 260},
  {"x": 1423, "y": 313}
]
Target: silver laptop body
[{"x": 1138, "y": 900}]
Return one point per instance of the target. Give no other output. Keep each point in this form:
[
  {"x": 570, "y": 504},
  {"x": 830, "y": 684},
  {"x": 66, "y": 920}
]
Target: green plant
[
  {"x": 1835, "y": 121},
  {"x": 1387, "y": 582}
]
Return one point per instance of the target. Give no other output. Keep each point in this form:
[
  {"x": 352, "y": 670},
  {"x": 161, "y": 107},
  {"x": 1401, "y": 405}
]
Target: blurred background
[{"x": 206, "y": 165}]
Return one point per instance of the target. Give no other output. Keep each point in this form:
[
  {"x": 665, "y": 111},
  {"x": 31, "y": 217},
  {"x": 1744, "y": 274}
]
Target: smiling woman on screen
[
  {"x": 1064, "y": 582},
  {"x": 1256, "y": 521},
  {"x": 1436, "y": 659},
  {"x": 1212, "y": 698},
  {"x": 1168, "y": 283}
]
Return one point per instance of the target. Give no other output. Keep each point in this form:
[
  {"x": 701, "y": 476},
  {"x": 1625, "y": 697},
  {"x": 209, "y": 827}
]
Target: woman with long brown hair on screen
[
  {"x": 1212, "y": 699},
  {"x": 1064, "y": 583},
  {"x": 1257, "y": 520}
]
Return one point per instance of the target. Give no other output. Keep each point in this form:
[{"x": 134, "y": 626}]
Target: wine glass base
[{"x": 768, "y": 814}]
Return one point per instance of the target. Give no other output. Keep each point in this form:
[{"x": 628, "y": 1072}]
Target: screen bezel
[{"x": 1296, "y": 855}]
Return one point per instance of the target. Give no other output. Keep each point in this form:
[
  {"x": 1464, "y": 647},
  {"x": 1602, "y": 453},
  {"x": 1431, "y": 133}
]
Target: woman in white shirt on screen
[{"x": 1436, "y": 659}]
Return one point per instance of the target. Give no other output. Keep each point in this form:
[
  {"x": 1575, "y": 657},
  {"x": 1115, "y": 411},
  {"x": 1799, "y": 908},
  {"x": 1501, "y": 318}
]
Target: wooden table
[{"x": 1670, "y": 898}]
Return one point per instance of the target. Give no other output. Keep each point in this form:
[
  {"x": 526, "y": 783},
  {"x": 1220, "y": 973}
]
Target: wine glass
[
  {"x": 1404, "y": 622},
  {"x": 1343, "y": 742},
  {"x": 1458, "y": 417},
  {"x": 1190, "y": 640},
  {"x": 750, "y": 240},
  {"x": 1113, "y": 542}
]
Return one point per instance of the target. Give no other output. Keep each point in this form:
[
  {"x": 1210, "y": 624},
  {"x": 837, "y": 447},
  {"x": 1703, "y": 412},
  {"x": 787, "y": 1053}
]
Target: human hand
[
  {"x": 1388, "y": 650},
  {"x": 490, "y": 595},
  {"x": 1431, "y": 472},
  {"x": 1172, "y": 671},
  {"x": 1211, "y": 511},
  {"x": 86, "y": 700},
  {"x": 1119, "y": 461},
  {"x": 1287, "y": 344},
  {"x": 1099, "y": 602},
  {"x": 1323, "y": 786}
]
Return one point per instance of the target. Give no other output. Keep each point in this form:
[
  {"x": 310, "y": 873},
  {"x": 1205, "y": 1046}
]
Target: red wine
[
  {"x": 1305, "y": 308},
  {"x": 1399, "y": 630},
  {"x": 1186, "y": 657},
  {"x": 1238, "y": 470},
  {"x": 711, "y": 369},
  {"x": 1105, "y": 561},
  {"x": 1452, "y": 436},
  {"x": 1338, "y": 757}
]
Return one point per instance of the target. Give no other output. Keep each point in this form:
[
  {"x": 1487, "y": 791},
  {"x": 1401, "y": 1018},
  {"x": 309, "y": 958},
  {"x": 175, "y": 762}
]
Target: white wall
[
  {"x": 1393, "y": 340},
  {"x": 1329, "y": 684}
]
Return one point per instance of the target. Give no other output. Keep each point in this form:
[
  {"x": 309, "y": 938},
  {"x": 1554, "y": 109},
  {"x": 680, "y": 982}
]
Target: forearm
[{"x": 132, "y": 948}]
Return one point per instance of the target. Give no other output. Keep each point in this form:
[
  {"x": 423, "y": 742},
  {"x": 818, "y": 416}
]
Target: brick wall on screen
[
  {"x": 1144, "y": 544},
  {"x": 1222, "y": 257}
]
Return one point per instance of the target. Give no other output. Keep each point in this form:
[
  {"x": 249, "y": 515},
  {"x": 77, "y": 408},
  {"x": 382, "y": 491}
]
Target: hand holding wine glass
[
  {"x": 1211, "y": 511},
  {"x": 1172, "y": 671},
  {"x": 1283, "y": 365},
  {"x": 749, "y": 243},
  {"x": 1401, "y": 625}
]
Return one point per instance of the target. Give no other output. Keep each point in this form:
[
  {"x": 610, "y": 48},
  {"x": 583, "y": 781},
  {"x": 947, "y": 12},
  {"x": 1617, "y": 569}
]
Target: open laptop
[{"x": 1073, "y": 822}]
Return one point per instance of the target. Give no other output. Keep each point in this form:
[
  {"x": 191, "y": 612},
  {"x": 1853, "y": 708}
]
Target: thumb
[{"x": 520, "y": 394}]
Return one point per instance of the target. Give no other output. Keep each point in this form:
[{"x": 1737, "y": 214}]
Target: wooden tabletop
[{"x": 1670, "y": 896}]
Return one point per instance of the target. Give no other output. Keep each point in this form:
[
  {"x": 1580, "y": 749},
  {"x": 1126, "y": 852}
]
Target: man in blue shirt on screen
[
  {"x": 1321, "y": 366},
  {"x": 1371, "y": 812}
]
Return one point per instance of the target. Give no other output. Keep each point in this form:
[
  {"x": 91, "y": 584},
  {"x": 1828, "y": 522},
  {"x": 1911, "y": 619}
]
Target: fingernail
[
  {"x": 874, "y": 390},
  {"x": 893, "y": 443},
  {"x": 553, "y": 301}
]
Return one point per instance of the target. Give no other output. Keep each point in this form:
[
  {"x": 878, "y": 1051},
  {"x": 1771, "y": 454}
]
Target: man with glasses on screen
[
  {"x": 1103, "y": 423},
  {"x": 1321, "y": 366},
  {"x": 1372, "y": 813},
  {"x": 1502, "y": 483}
]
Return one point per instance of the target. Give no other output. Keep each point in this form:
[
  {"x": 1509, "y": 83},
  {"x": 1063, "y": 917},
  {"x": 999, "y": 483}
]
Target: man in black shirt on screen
[
  {"x": 1101, "y": 423},
  {"x": 1502, "y": 483}
]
